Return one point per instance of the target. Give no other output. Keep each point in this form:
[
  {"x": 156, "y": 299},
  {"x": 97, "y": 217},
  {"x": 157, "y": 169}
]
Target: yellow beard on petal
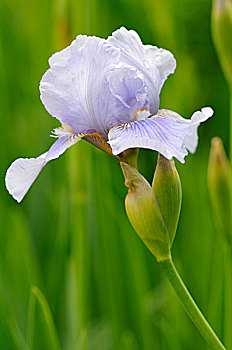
[
  {"x": 141, "y": 114},
  {"x": 67, "y": 128}
]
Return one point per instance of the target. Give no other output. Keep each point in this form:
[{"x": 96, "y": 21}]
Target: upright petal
[
  {"x": 62, "y": 56},
  {"x": 155, "y": 64},
  {"x": 23, "y": 171},
  {"x": 76, "y": 90},
  {"x": 128, "y": 85}
]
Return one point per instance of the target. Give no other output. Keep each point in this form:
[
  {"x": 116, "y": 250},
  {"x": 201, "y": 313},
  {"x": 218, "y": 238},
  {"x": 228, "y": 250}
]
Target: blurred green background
[{"x": 99, "y": 287}]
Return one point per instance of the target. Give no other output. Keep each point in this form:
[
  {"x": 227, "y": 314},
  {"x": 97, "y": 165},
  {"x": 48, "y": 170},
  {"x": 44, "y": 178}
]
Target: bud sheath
[
  {"x": 220, "y": 188},
  {"x": 167, "y": 187},
  {"x": 144, "y": 213},
  {"x": 222, "y": 32}
]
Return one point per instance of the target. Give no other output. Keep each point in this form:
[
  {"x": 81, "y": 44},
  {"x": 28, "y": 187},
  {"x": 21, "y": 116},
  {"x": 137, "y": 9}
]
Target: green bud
[
  {"x": 220, "y": 188},
  {"x": 167, "y": 187},
  {"x": 144, "y": 213},
  {"x": 222, "y": 33}
]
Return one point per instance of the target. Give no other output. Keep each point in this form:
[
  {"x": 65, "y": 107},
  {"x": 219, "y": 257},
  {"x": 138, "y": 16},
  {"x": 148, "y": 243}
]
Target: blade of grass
[{"x": 42, "y": 333}]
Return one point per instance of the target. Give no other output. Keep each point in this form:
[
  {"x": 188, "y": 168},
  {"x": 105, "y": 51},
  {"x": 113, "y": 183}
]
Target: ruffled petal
[
  {"x": 154, "y": 63},
  {"x": 76, "y": 92},
  {"x": 198, "y": 117},
  {"x": 62, "y": 56},
  {"x": 21, "y": 175},
  {"x": 128, "y": 85},
  {"x": 95, "y": 84},
  {"x": 163, "y": 134},
  {"x": 23, "y": 171},
  {"x": 81, "y": 88},
  {"x": 167, "y": 133},
  {"x": 191, "y": 140}
]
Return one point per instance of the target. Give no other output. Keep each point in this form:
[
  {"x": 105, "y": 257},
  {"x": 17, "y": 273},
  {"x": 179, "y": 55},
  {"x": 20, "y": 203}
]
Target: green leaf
[
  {"x": 42, "y": 333},
  {"x": 11, "y": 337}
]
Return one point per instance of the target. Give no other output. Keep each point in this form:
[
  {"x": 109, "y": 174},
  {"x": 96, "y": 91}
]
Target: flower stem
[
  {"x": 230, "y": 126},
  {"x": 228, "y": 299},
  {"x": 189, "y": 304}
]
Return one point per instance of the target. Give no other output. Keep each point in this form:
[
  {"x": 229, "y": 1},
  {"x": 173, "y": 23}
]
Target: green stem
[
  {"x": 190, "y": 305},
  {"x": 230, "y": 122},
  {"x": 228, "y": 300}
]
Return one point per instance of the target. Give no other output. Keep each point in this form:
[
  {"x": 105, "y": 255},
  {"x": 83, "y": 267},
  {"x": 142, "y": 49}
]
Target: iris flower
[{"x": 106, "y": 91}]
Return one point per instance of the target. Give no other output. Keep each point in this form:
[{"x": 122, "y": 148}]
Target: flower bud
[
  {"x": 220, "y": 188},
  {"x": 144, "y": 213},
  {"x": 222, "y": 32},
  {"x": 167, "y": 187}
]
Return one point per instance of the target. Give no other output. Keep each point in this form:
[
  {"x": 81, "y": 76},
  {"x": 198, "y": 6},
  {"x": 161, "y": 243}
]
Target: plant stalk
[
  {"x": 228, "y": 299},
  {"x": 230, "y": 126},
  {"x": 189, "y": 304}
]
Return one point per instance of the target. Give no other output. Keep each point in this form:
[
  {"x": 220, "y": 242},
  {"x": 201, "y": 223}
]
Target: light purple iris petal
[
  {"x": 98, "y": 85},
  {"x": 23, "y": 171},
  {"x": 198, "y": 117},
  {"x": 191, "y": 140},
  {"x": 63, "y": 55},
  {"x": 76, "y": 90},
  {"x": 163, "y": 134},
  {"x": 155, "y": 64},
  {"x": 128, "y": 85},
  {"x": 167, "y": 133}
]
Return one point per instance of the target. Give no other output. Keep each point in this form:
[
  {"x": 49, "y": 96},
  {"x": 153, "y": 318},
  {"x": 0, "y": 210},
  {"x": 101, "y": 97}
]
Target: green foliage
[
  {"x": 70, "y": 236},
  {"x": 41, "y": 330}
]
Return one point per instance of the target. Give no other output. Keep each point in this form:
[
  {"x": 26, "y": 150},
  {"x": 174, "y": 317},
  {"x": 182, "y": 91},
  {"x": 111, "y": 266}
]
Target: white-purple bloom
[{"x": 107, "y": 92}]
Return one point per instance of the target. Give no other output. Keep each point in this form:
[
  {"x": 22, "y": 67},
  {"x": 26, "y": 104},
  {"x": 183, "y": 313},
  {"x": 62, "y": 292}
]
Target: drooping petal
[
  {"x": 21, "y": 175},
  {"x": 198, "y": 117},
  {"x": 155, "y": 64},
  {"x": 163, "y": 134},
  {"x": 168, "y": 133},
  {"x": 191, "y": 140},
  {"x": 77, "y": 90},
  {"x": 23, "y": 171}
]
